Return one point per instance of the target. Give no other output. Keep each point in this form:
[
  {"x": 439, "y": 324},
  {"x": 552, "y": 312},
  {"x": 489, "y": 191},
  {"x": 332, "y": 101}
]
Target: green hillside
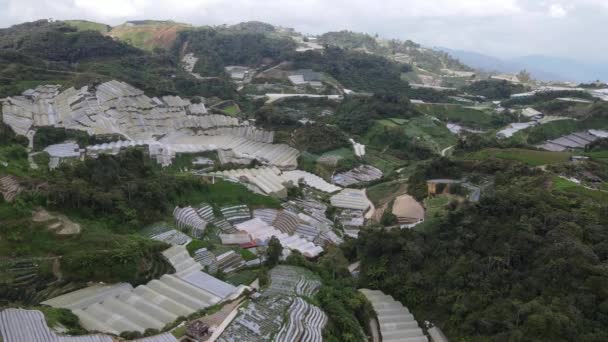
[{"x": 84, "y": 25}]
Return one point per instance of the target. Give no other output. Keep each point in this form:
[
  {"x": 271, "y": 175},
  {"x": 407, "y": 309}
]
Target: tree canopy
[{"x": 519, "y": 265}]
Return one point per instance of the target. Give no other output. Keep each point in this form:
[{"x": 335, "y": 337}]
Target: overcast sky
[{"x": 508, "y": 28}]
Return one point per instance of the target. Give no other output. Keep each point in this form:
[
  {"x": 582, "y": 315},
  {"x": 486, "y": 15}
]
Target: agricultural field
[
  {"x": 244, "y": 277},
  {"x": 227, "y": 193},
  {"x": 326, "y": 164},
  {"x": 435, "y": 210},
  {"x": 385, "y": 162},
  {"x": 466, "y": 116},
  {"x": 530, "y": 157},
  {"x": 424, "y": 130}
]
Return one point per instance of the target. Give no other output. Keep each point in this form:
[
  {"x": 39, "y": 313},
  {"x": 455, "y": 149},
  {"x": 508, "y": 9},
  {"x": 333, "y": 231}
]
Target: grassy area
[
  {"x": 384, "y": 162},
  {"x": 564, "y": 185},
  {"x": 56, "y": 317},
  {"x": 388, "y": 123},
  {"x": 399, "y": 121},
  {"x": 435, "y": 210},
  {"x": 224, "y": 193},
  {"x": 84, "y": 25},
  {"x": 599, "y": 155},
  {"x": 466, "y": 116},
  {"x": 244, "y": 277},
  {"x": 232, "y": 110},
  {"x": 13, "y": 160},
  {"x": 425, "y": 130},
  {"x": 346, "y": 160},
  {"x": 180, "y": 331},
  {"x": 246, "y": 255},
  {"x": 560, "y": 183},
  {"x": 530, "y": 157},
  {"x": 382, "y": 193},
  {"x": 344, "y": 152}
]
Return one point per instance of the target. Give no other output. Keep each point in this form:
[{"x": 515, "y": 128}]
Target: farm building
[
  {"x": 59, "y": 153},
  {"x": 264, "y": 180},
  {"x": 120, "y": 307},
  {"x": 395, "y": 321},
  {"x": 531, "y": 113},
  {"x": 261, "y": 231},
  {"x": 306, "y": 77},
  {"x": 230, "y": 261},
  {"x": 573, "y": 141},
  {"x": 170, "y": 236},
  {"x": 408, "y": 211},
  {"x": 19, "y": 325},
  {"x": 117, "y": 108},
  {"x": 274, "y": 182},
  {"x": 360, "y": 174},
  {"x": 515, "y": 127},
  {"x": 235, "y": 239},
  {"x": 188, "y": 219},
  {"x": 352, "y": 221},
  {"x": 238, "y": 73},
  {"x": 351, "y": 199}
]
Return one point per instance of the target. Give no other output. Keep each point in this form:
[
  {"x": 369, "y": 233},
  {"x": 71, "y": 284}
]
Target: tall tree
[{"x": 274, "y": 251}]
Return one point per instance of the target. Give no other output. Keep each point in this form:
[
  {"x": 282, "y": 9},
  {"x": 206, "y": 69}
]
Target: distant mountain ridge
[{"x": 545, "y": 68}]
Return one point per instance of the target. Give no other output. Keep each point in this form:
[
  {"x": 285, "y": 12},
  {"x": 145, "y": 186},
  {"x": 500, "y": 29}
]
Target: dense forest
[
  {"x": 357, "y": 113},
  {"x": 220, "y": 48},
  {"x": 356, "y": 70},
  {"x": 519, "y": 265},
  {"x": 494, "y": 89},
  {"x": 60, "y": 42},
  {"x": 44, "y": 52}
]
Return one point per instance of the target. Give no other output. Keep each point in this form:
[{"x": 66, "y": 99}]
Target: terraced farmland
[{"x": 530, "y": 157}]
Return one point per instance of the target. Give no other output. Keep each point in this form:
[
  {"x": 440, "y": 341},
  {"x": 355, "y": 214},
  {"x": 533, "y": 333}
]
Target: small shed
[{"x": 197, "y": 331}]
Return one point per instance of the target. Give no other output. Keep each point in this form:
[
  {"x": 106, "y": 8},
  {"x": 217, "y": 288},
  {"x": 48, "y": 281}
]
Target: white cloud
[
  {"x": 557, "y": 11},
  {"x": 110, "y": 8}
]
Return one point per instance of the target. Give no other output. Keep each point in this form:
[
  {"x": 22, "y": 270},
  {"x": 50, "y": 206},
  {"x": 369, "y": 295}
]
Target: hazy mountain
[
  {"x": 566, "y": 68},
  {"x": 546, "y": 68}
]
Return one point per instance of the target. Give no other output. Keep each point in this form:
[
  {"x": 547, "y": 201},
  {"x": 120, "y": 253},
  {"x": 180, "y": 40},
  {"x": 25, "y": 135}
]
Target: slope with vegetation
[
  {"x": 520, "y": 265},
  {"x": 44, "y": 52},
  {"x": 148, "y": 34}
]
